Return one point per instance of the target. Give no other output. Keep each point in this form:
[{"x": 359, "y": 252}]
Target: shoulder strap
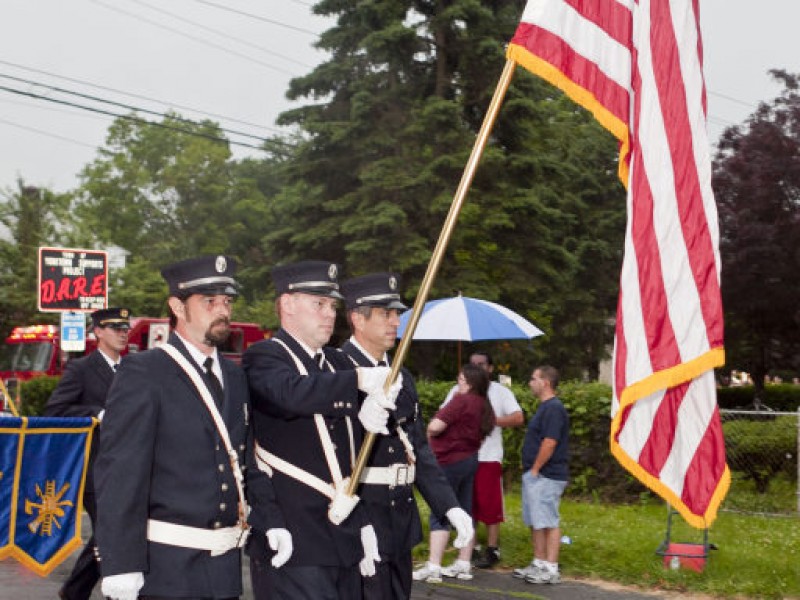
[
  {"x": 322, "y": 430},
  {"x": 205, "y": 394}
]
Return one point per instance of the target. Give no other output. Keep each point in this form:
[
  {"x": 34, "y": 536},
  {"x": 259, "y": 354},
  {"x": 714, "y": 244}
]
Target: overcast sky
[{"x": 231, "y": 60}]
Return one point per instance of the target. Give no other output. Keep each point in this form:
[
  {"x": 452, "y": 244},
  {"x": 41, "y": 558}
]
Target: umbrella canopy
[{"x": 469, "y": 320}]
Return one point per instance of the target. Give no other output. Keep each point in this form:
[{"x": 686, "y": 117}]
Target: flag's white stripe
[
  {"x": 586, "y": 38},
  {"x": 683, "y": 300},
  {"x": 637, "y": 361},
  {"x": 684, "y": 21},
  {"x": 639, "y": 424},
  {"x": 694, "y": 418}
]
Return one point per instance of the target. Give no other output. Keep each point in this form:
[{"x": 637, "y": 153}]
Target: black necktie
[
  {"x": 114, "y": 367},
  {"x": 382, "y": 363},
  {"x": 214, "y": 384},
  {"x": 319, "y": 358}
]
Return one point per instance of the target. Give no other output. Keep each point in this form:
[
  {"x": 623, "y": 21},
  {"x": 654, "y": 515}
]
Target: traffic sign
[{"x": 73, "y": 332}]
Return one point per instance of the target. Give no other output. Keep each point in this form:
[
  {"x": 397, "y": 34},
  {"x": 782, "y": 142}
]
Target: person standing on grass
[
  {"x": 545, "y": 471},
  {"x": 455, "y": 434},
  {"x": 487, "y": 493}
]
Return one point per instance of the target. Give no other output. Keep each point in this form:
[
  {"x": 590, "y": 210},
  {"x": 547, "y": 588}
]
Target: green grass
[{"x": 756, "y": 556}]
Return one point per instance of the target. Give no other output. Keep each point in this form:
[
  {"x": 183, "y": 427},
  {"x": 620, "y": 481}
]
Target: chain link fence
[{"x": 762, "y": 449}]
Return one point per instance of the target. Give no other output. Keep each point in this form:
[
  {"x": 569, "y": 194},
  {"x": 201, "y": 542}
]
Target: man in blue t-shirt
[{"x": 545, "y": 471}]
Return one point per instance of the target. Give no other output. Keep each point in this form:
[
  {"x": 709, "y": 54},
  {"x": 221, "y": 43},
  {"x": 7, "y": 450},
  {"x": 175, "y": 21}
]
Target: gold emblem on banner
[{"x": 49, "y": 509}]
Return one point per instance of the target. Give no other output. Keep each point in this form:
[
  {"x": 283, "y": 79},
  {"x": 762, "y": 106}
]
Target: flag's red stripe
[
  {"x": 658, "y": 327},
  {"x": 696, "y": 11},
  {"x": 584, "y": 72},
  {"x": 609, "y": 15},
  {"x": 700, "y": 249},
  {"x": 706, "y": 469},
  {"x": 662, "y": 435}
]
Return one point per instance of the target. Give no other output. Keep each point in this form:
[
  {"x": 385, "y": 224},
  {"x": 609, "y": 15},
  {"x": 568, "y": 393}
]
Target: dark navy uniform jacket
[
  {"x": 161, "y": 457},
  {"x": 82, "y": 392},
  {"x": 284, "y": 403},
  {"x": 393, "y": 511}
]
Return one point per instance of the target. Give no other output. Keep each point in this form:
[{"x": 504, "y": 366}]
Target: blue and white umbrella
[{"x": 468, "y": 320}]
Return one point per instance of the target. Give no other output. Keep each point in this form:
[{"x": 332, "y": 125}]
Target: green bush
[
  {"x": 762, "y": 448},
  {"x": 34, "y": 394},
  {"x": 781, "y": 397}
]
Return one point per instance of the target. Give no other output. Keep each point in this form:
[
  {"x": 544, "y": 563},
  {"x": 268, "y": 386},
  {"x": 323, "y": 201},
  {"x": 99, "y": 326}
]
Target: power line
[
  {"x": 192, "y": 37},
  {"x": 257, "y": 17},
  {"x": 221, "y": 33},
  {"x": 137, "y": 96},
  {"x": 48, "y": 134},
  {"x": 120, "y": 104},
  {"x": 131, "y": 118}
]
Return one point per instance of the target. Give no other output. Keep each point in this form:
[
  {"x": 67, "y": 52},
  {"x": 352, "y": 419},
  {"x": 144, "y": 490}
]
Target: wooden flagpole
[{"x": 438, "y": 254}]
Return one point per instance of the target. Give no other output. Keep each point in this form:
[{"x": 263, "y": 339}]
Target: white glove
[
  {"x": 280, "y": 540},
  {"x": 124, "y": 586},
  {"x": 370, "y": 543},
  {"x": 463, "y": 523},
  {"x": 372, "y": 415},
  {"x": 394, "y": 390},
  {"x": 371, "y": 379}
]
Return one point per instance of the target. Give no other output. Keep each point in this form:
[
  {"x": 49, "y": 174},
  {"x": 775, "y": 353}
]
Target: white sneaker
[
  {"x": 459, "y": 570},
  {"x": 428, "y": 572},
  {"x": 544, "y": 576},
  {"x": 525, "y": 572}
]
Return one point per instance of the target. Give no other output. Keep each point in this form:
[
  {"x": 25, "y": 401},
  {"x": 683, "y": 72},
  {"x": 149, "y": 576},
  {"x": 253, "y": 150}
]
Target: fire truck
[{"x": 35, "y": 350}]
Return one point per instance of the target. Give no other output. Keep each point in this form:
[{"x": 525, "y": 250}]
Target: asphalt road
[{"x": 17, "y": 583}]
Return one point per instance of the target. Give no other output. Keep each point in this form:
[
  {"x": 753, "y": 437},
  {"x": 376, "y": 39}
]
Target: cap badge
[
  {"x": 393, "y": 283},
  {"x": 124, "y": 313},
  {"x": 332, "y": 272},
  {"x": 221, "y": 265}
]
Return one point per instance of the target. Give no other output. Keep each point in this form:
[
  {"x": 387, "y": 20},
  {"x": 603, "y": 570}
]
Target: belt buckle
[{"x": 397, "y": 479}]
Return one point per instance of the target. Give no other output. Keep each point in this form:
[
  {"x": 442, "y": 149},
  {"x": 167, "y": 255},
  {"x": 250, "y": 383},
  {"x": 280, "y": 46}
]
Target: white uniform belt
[
  {"x": 266, "y": 460},
  {"x": 397, "y": 474},
  {"x": 216, "y": 541}
]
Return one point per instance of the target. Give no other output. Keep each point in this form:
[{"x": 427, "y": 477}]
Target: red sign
[{"x": 72, "y": 280}]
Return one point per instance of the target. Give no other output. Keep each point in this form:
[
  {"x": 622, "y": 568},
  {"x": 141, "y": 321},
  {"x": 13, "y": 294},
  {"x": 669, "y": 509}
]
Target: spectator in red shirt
[{"x": 455, "y": 434}]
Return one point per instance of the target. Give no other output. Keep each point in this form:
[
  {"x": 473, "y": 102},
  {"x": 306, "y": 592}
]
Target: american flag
[{"x": 637, "y": 66}]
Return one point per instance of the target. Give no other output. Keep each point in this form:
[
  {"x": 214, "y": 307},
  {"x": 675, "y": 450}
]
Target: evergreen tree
[{"x": 394, "y": 116}]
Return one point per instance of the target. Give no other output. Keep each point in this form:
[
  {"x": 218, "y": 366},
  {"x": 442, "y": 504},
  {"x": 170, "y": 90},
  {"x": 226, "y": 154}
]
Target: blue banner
[{"x": 42, "y": 474}]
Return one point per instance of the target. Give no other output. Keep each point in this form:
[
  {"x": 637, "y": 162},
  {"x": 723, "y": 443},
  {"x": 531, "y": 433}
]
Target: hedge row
[
  {"x": 593, "y": 471},
  {"x": 781, "y": 397}
]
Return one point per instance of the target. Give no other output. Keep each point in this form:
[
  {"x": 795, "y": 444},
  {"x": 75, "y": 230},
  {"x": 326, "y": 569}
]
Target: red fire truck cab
[{"x": 35, "y": 350}]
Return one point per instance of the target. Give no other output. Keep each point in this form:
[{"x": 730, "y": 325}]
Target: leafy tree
[
  {"x": 33, "y": 217},
  {"x": 166, "y": 191},
  {"x": 757, "y": 187}
]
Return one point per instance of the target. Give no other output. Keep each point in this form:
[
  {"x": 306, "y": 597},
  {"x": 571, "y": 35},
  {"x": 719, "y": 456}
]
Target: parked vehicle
[{"x": 35, "y": 350}]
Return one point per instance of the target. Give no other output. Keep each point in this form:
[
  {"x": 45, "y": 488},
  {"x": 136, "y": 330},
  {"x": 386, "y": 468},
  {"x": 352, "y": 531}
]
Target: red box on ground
[{"x": 691, "y": 556}]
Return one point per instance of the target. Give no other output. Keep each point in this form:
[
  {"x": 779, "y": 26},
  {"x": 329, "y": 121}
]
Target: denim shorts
[{"x": 540, "y": 501}]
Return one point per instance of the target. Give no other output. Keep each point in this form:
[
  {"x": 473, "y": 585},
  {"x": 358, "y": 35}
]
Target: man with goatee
[{"x": 172, "y": 515}]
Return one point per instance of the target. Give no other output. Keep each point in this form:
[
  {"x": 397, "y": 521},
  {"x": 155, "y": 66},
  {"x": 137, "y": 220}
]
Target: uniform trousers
[
  {"x": 392, "y": 579},
  {"x": 315, "y": 582},
  {"x": 85, "y": 573}
]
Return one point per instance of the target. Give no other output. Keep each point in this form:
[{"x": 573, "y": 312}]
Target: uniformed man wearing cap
[
  {"x": 171, "y": 502},
  {"x": 82, "y": 392},
  {"x": 308, "y": 428},
  {"x": 402, "y": 458}
]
